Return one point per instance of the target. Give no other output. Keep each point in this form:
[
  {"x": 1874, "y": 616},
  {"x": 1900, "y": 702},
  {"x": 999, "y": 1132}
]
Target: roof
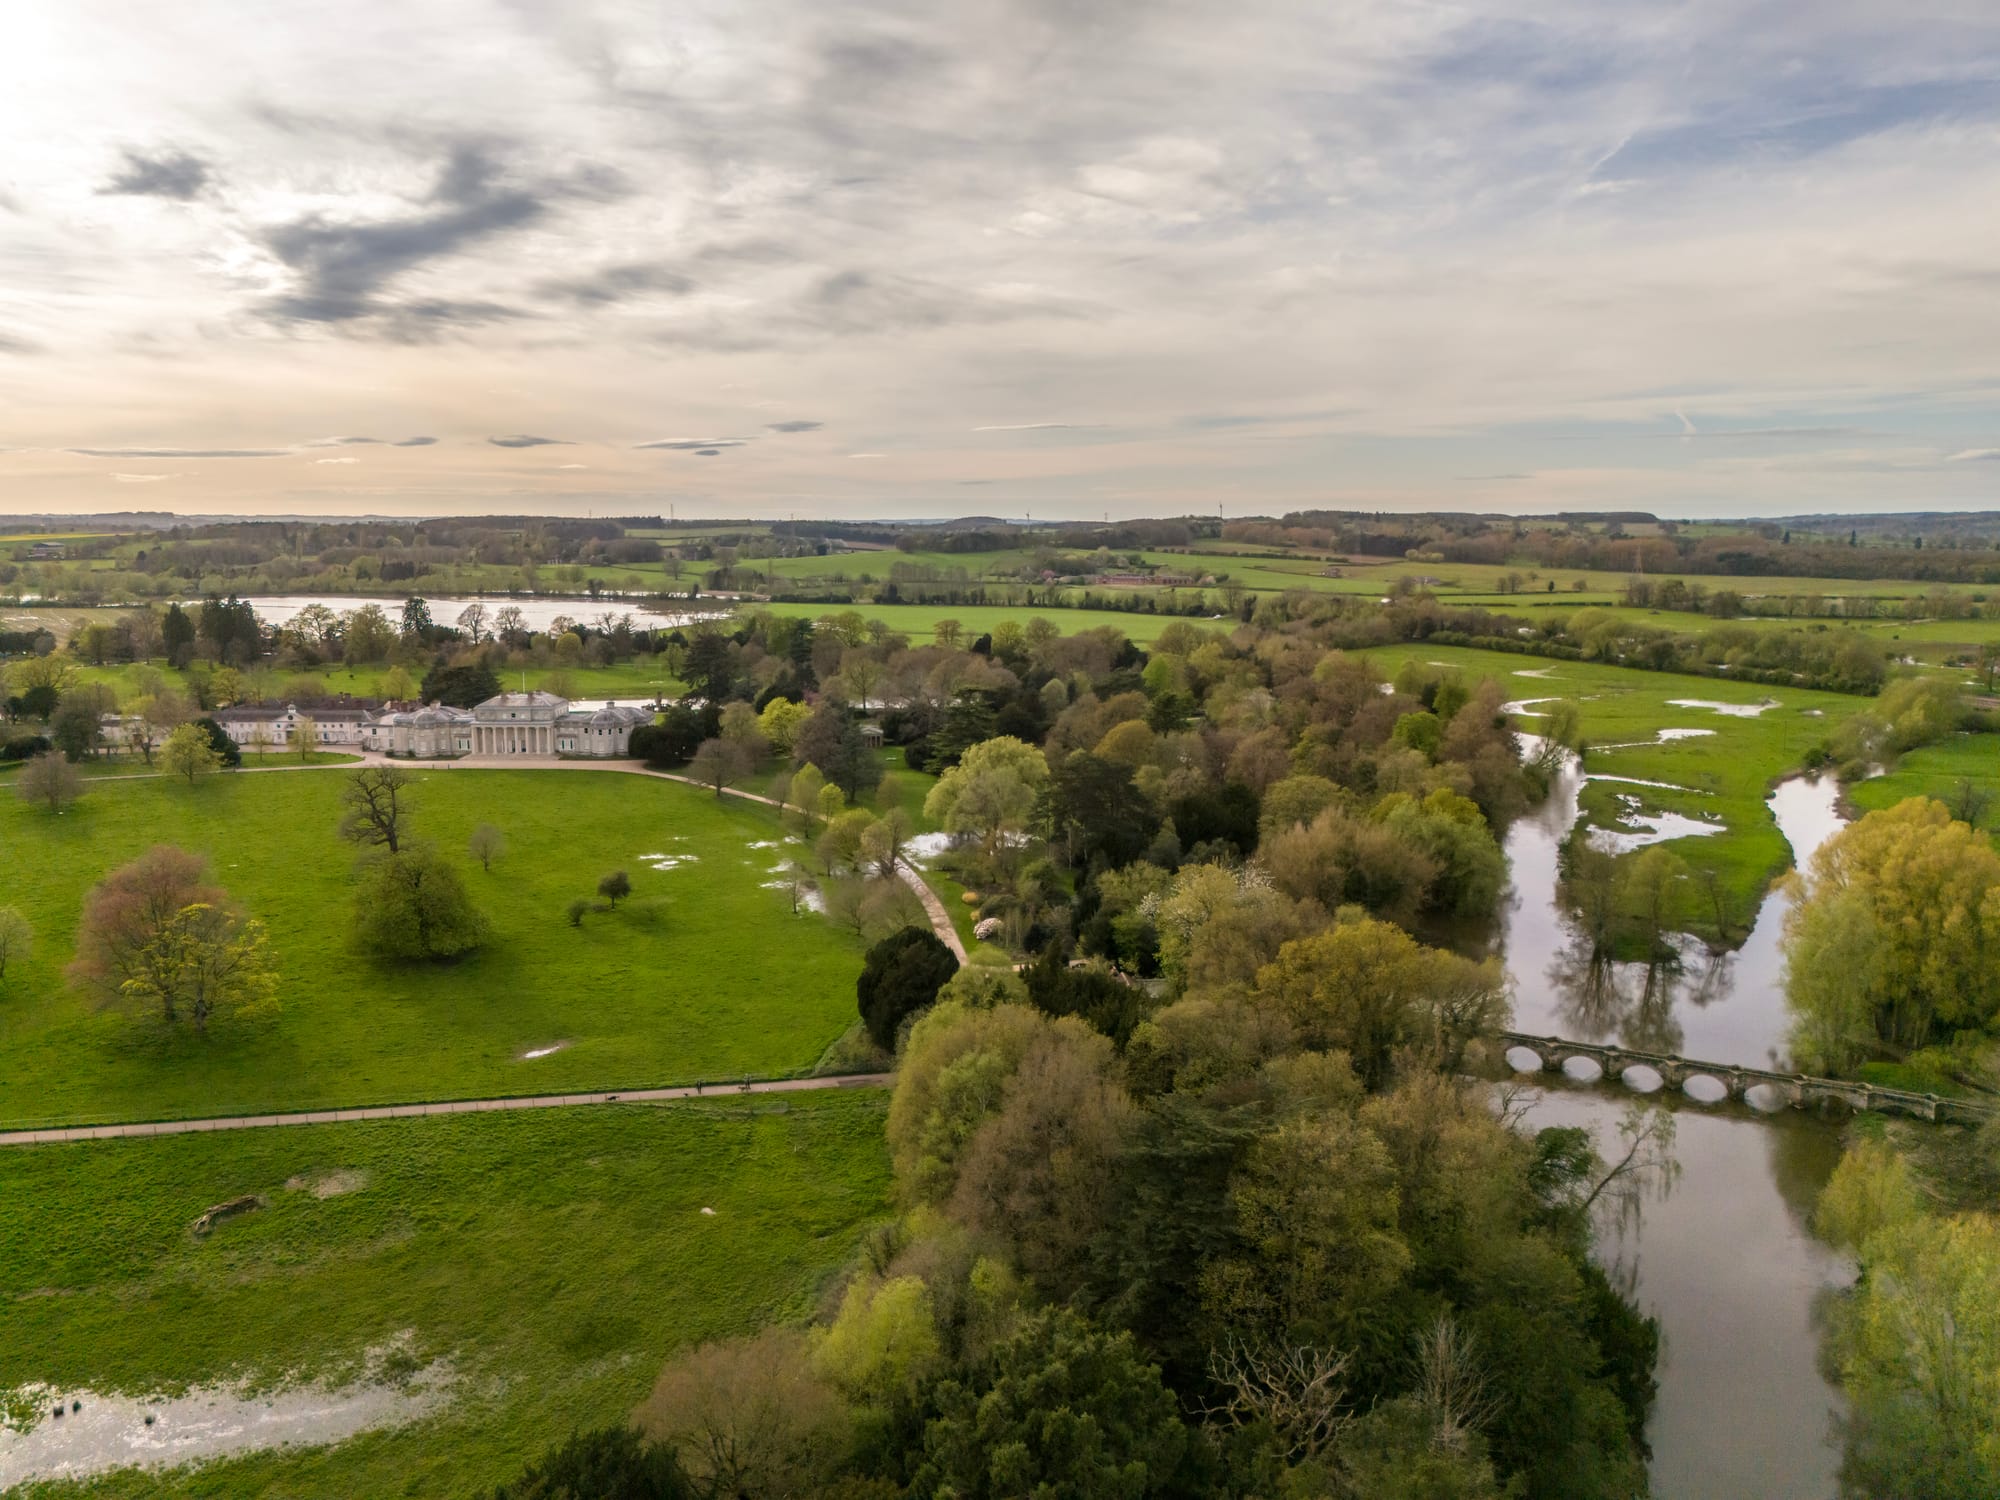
[{"x": 536, "y": 699}]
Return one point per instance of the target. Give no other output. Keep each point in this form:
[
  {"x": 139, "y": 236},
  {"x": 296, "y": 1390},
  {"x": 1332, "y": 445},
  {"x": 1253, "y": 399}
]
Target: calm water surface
[{"x": 1724, "y": 1259}]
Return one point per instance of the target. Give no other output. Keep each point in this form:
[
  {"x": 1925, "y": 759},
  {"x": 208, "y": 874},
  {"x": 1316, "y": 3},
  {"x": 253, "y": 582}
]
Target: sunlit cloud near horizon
[{"x": 453, "y": 256}]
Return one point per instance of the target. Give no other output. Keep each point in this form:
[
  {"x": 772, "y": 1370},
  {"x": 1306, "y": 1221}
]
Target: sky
[{"x": 1042, "y": 258}]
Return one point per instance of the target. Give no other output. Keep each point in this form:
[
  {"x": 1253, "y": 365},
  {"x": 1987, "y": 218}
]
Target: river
[
  {"x": 536, "y": 613},
  {"x": 1725, "y": 1258}
]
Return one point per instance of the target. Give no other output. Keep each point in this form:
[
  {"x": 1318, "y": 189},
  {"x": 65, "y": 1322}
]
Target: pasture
[
  {"x": 702, "y": 974},
  {"x": 541, "y": 1266},
  {"x": 1721, "y": 774}
]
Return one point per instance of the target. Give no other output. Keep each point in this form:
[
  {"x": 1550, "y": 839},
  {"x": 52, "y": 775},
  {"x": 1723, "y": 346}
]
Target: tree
[
  {"x": 219, "y": 741},
  {"x": 17, "y": 938},
  {"x": 464, "y": 686},
  {"x": 486, "y": 844},
  {"x": 1920, "y": 1359},
  {"x": 176, "y": 635},
  {"x": 1896, "y": 937},
  {"x": 992, "y": 793},
  {"x": 51, "y": 780},
  {"x": 751, "y": 1417},
  {"x": 188, "y": 753},
  {"x": 412, "y": 905},
  {"x": 1062, "y": 1409},
  {"x": 156, "y": 933},
  {"x": 615, "y": 887},
  {"x": 831, "y": 739},
  {"x": 901, "y": 975},
  {"x": 76, "y": 729},
  {"x": 612, "y": 1463},
  {"x": 417, "y": 625},
  {"x": 472, "y": 620},
  {"x": 376, "y": 807},
  {"x": 719, "y": 763}
]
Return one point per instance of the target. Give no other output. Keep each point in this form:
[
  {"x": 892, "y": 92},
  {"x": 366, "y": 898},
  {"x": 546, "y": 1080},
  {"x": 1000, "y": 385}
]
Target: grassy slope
[
  {"x": 627, "y": 681},
  {"x": 556, "y": 1258},
  {"x": 1727, "y": 775},
  {"x": 727, "y": 983}
]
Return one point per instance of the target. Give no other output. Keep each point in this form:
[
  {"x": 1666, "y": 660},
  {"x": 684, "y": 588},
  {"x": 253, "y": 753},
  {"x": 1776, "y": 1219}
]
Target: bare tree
[
  {"x": 376, "y": 806},
  {"x": 50, "y": 779},
  {"x": 1298, "y": 1389},
  {"x": 305, "y": 738},
  {"x": 719, "y": 764},
  {"x": 1451, "y": 1384},
  {"x": 486, "y": 844}
]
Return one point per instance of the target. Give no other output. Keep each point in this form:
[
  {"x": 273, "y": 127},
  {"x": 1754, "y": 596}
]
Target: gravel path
[{"x": 442, "y": 1107}]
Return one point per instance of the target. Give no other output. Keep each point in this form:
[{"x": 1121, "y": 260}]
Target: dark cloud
[
  {"x": 170, "y": 174},
  {"x": 707, "y": 452},
  {"x": 614, "y": 284},
  {"x": 414, "y": 442},
  {"x": 693, "y": 445},
  {"x": 794, "y": 426},
  {"x": 529, "y": 440},
  {"x": 341, "y": 442},
  {"x": 181, "y": 452},
  {"x": 343, "y": 270},
  {"x": 14, "y": 344}
]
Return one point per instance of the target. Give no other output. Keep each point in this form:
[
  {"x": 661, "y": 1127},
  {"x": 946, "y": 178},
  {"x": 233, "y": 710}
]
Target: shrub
[{"x": 901, "y": 976}]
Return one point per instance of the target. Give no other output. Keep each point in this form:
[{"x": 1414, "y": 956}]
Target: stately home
[{"x": 526, "y": 725}]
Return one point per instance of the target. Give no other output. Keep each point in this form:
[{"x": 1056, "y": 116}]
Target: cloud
[
  {"x": 1030, "y": 426},
  {"x": 413, "y": 442},
  {"x": 342, "y": 271},
  {"x": 168, "y": 174},
  {"x": 141, "y": 478},
  {"x": 340, "y": 442},
  {"x": 794, "y": 426},
  {"x": 693, "y": 445},
  {"x": 14, "y": 344},
  {"x": 180, "y": 452},
  {"x": 572, "y": 466},
  {"x": 867, "y": 455},
  {"x": 614, "y": 284},
  {"x": 529, "y": 440},
  {"x": 336, "y": 460},
  {"x": 1975, "y": 456},
  {"x": 707, "y": 452}
]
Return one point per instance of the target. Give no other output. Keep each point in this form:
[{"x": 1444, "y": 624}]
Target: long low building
[{"x": 533, "y": 725}]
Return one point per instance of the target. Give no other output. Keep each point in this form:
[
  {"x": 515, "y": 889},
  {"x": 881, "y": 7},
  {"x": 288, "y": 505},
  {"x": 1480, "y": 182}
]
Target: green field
[
  {"x": 919, "y": 620},
  {"x": 553, "y": 1260},
  {"x": 1939, "y": 771},
  {"x": 726, "y": 982},
  {"x": 1725, "y": 776}
]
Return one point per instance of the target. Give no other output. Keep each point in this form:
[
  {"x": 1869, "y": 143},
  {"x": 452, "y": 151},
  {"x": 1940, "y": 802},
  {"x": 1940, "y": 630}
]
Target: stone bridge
[{"x": 1796, "y": 1090}]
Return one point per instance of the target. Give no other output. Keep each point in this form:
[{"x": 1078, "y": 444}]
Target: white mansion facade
[{"x": 533, "y": 725}]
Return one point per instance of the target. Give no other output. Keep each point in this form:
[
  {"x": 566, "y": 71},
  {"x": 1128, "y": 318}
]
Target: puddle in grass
[
  {"x": 667, "y": 861},
  {"x": 534, "y": 1052},
  {"x": 118, "y": 1431},
  {"x": 1643, "y": 829},
  {"x": 1733, "y": 710}
]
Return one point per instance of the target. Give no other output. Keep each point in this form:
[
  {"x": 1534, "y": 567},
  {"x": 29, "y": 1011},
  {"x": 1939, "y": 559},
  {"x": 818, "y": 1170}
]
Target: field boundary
[{"x": 55, "y": 1135}]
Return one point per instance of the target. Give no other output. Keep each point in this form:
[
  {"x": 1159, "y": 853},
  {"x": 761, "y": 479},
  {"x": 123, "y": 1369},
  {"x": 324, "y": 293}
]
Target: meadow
[
  {"x": 1943, "y": 771},
  {"x": 919, "y": 620},
  {"x": 1721, "y": 776},
  {"x": 551, "y": 1260},
  {"x": 703, "y": 974}
]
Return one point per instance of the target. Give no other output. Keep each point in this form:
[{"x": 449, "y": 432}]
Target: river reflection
[
  {"x": 1727, "y": 1263},
  {"x": 1726, "y": 1260},
  {"x": 1726, "y": 1007}
]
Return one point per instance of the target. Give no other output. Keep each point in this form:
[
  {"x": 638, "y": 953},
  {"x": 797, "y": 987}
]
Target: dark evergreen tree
[{"x": 901, "y": 976}]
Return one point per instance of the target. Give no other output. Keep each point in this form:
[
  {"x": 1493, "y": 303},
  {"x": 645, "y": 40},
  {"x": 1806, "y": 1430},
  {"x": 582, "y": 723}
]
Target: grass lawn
[
  {"x": 726, "y": 982},
  {"x": 555, "y": 1259},
  {"x": 1938, "y": 771},
  {"x": 629, "y": 682},
  {"x": 1726, "y": 775}
]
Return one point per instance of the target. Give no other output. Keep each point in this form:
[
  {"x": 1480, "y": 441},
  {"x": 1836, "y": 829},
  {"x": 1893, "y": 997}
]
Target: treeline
[{"x": 1603, "y": 544}]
